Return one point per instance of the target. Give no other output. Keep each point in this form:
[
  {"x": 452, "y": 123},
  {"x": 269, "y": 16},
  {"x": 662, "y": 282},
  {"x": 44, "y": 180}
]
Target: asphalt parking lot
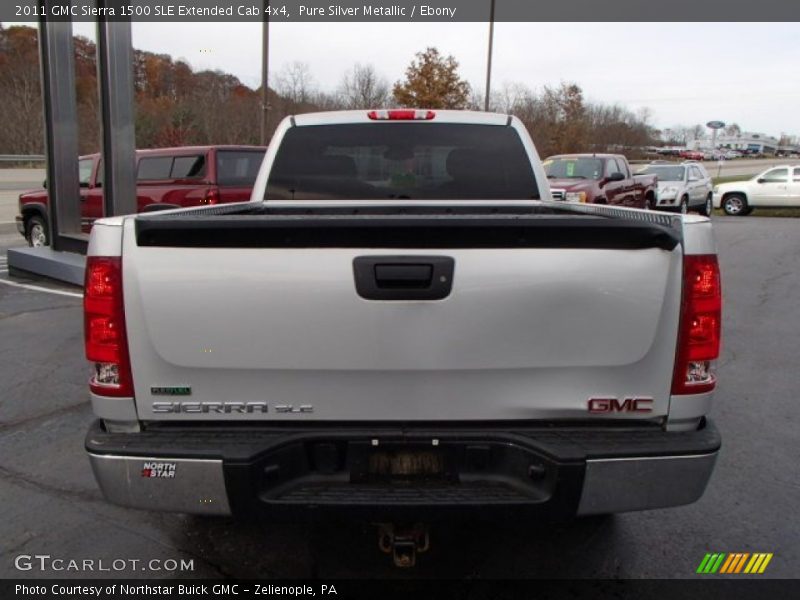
[{"x": 52, "y": 506}]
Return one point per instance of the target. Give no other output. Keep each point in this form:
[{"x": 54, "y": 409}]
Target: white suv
[
  {"x": 777, "y": 187},
  {"x": 682, "y": 187}
]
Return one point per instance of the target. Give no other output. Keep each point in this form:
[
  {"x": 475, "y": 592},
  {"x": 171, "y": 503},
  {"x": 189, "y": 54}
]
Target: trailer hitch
[{"x": 403, "y": 542}]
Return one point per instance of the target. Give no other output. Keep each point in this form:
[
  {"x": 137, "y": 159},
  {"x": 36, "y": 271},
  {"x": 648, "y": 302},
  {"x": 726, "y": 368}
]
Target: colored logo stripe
[
  {"x": 734, "y": 562},
  {"x": 758, "y": 563},
  {"x": 711, "y": 563},
  {"x": 732, "y": 558}
]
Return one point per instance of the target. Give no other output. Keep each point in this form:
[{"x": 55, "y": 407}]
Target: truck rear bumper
[{"x": 393, "y": 473}]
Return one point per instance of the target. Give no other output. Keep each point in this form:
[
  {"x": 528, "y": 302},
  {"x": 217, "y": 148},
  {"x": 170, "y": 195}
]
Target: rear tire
[
  {"x": 708, "y": 207},
  {"x": 36, "y": 232},
  {"x": 735, "y": 205},
  {"x": 650, "y": 202}
]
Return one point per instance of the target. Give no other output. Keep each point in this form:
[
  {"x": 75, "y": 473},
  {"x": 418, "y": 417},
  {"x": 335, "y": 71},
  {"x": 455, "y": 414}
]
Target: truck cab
[
  {"x": 598, "y": 179},
  {"x": 165, "y": 178}
]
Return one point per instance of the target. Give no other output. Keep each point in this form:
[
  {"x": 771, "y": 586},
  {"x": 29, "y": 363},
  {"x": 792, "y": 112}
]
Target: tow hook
[{"x": 403, "y": 542}]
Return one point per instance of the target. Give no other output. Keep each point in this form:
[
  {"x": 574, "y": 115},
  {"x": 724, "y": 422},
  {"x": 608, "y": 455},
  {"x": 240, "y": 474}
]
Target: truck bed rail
[{"x": 543, "y": 225}]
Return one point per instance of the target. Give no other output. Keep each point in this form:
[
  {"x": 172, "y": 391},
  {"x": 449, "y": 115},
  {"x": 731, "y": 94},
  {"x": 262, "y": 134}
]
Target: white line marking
[{"x": 36, "y": 288}]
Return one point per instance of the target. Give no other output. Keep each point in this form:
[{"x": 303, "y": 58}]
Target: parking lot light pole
[
  {"x": 489, "y": 58},
  {"x": 265, "y": 77}
]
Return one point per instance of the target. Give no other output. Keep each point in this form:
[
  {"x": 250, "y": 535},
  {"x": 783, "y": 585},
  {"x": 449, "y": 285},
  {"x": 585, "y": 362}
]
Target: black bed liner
[{"x": 540, "y": 226}]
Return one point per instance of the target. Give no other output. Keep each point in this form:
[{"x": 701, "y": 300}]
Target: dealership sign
[{"x": 715, "y": 124}]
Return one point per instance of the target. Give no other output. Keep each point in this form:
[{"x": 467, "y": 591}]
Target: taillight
[
  {"x": 104, "y": 327},
  {"x": 211, "y": 196},
  {"x": 401, "y": 114},
  {"x": 700, "y": 325}
]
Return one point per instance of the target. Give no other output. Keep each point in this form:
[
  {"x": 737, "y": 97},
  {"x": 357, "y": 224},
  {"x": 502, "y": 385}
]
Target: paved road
[
  {"x": 745, "y": 166},
  {"x": 52, "y": 506}
]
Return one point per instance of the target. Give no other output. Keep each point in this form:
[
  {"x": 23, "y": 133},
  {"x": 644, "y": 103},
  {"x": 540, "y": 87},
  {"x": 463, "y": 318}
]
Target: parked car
[
  {"x": 692, "y": 155},
  {"x": 165, "y": 178},
  {"x": 731, "y": 154},
  {"x": 682, "y": 187},
  {"x": 599, "y": 179},
  {"x": 777, "y": 187},
  {"x": 713, "y": 155},
  {"x": 671, "y": 151},
  {"x": 400, "y": 330}
]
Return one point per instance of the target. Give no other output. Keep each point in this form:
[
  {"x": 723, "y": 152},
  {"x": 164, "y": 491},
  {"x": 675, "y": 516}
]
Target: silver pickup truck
[{"x": 401, "y": 323}]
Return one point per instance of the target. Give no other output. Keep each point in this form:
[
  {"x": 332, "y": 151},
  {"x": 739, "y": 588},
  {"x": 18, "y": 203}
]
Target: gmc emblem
[{"x": 613, "y": 405}]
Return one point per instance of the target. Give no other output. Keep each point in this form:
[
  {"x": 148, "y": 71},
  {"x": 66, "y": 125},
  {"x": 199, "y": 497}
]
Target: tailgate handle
[{"x": 403, "y": 277}]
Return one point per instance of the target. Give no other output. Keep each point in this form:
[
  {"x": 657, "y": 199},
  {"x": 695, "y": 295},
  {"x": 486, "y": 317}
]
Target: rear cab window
[
  {"x": 401, "y": 160},
  {"x": 165, "y": 168},
  {"x": 188, "y": 167},
  {"x": 85, "y": 166},
  {"x": 238, "y": 167},
  {"x": 154, "y": 168}
]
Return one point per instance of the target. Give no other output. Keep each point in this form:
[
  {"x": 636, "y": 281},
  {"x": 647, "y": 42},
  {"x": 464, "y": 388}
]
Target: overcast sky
[{"x": 686, "y": 73}]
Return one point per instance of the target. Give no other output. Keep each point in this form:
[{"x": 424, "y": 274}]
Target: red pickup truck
[
  {"x": 165, "y": 178},
  {"x": 599, "y": 179}
]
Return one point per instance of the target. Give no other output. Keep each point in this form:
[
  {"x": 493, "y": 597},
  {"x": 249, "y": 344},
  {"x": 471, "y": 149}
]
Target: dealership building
[{"x": 747, "y": 142}]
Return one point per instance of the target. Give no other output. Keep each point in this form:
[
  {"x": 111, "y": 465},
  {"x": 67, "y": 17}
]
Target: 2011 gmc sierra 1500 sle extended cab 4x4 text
[{"x": 402, "y": 323}]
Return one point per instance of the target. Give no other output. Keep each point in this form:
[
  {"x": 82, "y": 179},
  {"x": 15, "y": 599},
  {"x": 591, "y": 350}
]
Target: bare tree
[
  {"x": 678, "y": 135},
  {"x": 733, "y": 130},
  {"x": 510, "y": 98},
  {"x": 559, "y": 120},
  {"x": 22, "y": 131},
  {"x": 364, "y": 88},
  {"x": 324, "y": 101},
  {"x": 696, "y": 132},
  {"x": 295, "y": 84}
]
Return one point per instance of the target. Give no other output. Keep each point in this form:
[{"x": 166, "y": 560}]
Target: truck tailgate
[{"x": 237, "y": 319}]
